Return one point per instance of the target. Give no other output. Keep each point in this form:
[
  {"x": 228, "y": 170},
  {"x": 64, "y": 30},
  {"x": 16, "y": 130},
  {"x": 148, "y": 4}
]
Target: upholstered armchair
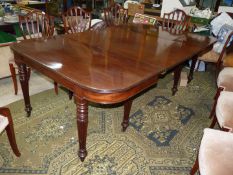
[
  {"x": 6, "y": 123},
  {"x": 224, "y": 82},
  {"x": 224, "y": 111},
  {"x": 215, "y": 153}
]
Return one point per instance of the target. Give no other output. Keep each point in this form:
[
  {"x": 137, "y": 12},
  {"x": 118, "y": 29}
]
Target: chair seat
[
  {"x": 216, "y": 153},
  {"x": 224, "y": 110},
  {"x": 228, "y": 60},
  {"x": 3, "y": 123},
  {"x": 225, "y": 79},
  {"x": 210, "y": 56}
]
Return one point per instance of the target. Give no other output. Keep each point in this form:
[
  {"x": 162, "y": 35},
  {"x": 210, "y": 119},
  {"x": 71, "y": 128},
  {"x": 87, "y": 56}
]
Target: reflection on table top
[{"x": 114, "y": 59}]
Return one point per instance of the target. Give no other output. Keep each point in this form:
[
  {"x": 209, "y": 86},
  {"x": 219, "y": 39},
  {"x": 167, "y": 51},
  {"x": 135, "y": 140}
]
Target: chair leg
[
  {"x": 224, "y": 129},
  {"x": 55, "y": 87},
  {"x": 190, "y": 76},
  {"x": 10, "y": 132},
  {"x": 195, "y": 167},
  {"x": 14, "y": 79},
  {"x": 70, "y": 94},
  {"x": 214, "y": 121},
  {"x": 29, "y": 72},
  {"x": 212, "y": 113}
]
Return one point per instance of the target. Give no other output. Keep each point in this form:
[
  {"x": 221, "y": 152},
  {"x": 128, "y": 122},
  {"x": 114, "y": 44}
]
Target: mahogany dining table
[{"x": 108, "y": 66}]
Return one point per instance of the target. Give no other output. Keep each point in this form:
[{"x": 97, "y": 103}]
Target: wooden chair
[
  {"x": 222, "y": 108},
  {"x": 6, "y": 123},
  {"x": 215, "y": 153},
  {"x": 115, "y": 15},
  {"x": 76, "y": 20},
  {"x": 223, "y": 111},
  {"x": 224, "y": 82},
  {"x": 212, "y": 57},
  {"x": 176, "y": 21},
  {"x": 35, "y": 24}
]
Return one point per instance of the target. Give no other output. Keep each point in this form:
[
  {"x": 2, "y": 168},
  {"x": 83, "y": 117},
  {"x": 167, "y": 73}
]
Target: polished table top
[
  {"x": 107, "y": 66},
  {"x": 114, "y": 59}
]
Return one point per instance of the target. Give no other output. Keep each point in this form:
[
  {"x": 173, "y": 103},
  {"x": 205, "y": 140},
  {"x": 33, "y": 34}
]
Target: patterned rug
[{"x": 162, "y": 139}]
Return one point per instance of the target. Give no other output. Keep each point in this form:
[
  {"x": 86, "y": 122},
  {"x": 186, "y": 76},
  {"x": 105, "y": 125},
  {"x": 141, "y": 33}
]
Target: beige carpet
[
  {"x": 37, "y": 83},
  {"x": 162, "y": 139}
]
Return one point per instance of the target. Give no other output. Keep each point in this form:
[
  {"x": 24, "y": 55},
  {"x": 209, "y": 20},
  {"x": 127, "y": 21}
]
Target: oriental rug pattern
[{"x": 162, "y": 139}]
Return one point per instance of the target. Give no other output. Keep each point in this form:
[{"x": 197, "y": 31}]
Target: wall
[
  {"x": 170, "y": 5},
  {"x": 5, "y": 56}
]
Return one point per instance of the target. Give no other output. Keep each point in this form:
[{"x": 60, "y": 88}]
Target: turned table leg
[
  {"x": 190, "y": 76},
  {"x": 127, "y": 108},
  {"x": 82, "y": 123},
  {"x": 24, "y": 77},
  {"x": 177, "y": 73}
]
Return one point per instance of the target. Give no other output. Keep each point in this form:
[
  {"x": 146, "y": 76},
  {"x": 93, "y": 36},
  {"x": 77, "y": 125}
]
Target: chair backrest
[
  {"x": 176, "y": 21},
  {"x": 115, "y": 15},
  {"x": 36, "y": 24},
  {"x": 76, "y": 20},
  {"x": 227, "y": 44}
]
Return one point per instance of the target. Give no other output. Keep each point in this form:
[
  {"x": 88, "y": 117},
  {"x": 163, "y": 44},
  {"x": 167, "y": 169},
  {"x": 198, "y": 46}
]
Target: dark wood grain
[{"x": 107, "y": 66}]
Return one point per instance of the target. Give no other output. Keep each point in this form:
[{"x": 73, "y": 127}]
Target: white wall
[
  {"x": 5, "y": 56},
  {"x": 170, "y": 5}
]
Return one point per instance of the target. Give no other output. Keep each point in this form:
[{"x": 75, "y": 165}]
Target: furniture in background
[
  {"x": 212, "y": 57},
  {"x": 35, "y": 24},
  {"x": 115, "y": 15},
  {"x": 107, "y": 67},
  {"x": 150, "y": 9},
  {"x": 6, "y": 123},
  {"x": 76, "y": 19},
  {"x": 134, "y": 8},
  {"x": 176, "y": 21},
  {"x": 215, "y": 153}
]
